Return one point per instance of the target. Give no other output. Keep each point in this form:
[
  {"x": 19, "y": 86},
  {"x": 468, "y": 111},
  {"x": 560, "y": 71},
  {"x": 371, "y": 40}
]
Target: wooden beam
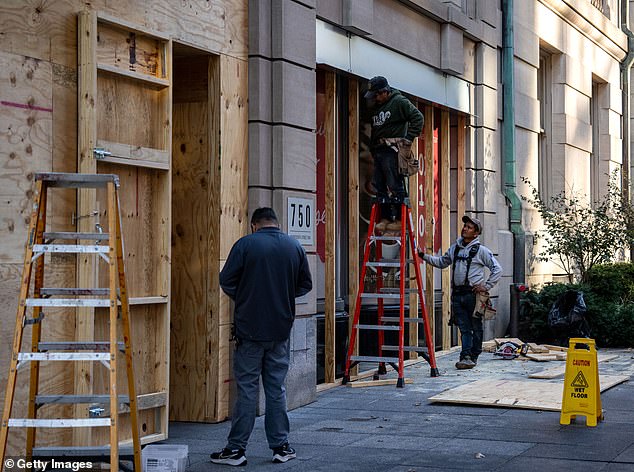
[
  {"x": 413, "y": 296},
  {"x": 428, "y": 132},
  {"x": 353, "y": 205},
  {"x": 86, "y": 203},
  {"x": 330, "y": 200},
  {"x": 377, "y": 383},
  {"x": 134, "y": 155},
  {"x": 217, "y": 385},
  {"x": 460, "y": 180},
  {"x": 163, "y": 243},
  {"x": 445, "y": 216}
]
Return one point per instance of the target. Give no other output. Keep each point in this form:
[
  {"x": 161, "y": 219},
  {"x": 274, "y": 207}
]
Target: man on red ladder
[
  {"x": 468, "y": 258},
  {"x": 395, "y": 123}
]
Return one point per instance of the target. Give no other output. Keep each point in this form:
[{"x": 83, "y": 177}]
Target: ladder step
[
  {"x": 378, "y": 327},
  {"x": 67, "y": 235},
  {"x": 71, "y": 248},
  {"x": 385, "y": 238},
  {"x": 61, "y": 179},
  {"x": 78, "y": 346},
  {"x": 63, "y": 356},
  {"x": 373, "y": 359},
  {"x": 396, "y": 296},
  {"x": 75, "y": 291},
  {"x": 81, "y": 451},
  {"x": 405, "y": 348},
  {"x": 87, "y": 302},
  {"x": 58, "y": 423},
  {"x": 397, "y": 290},
  {"x": 383, "y": 264},
  {"x": 407, "y": 319},
  {"x": 78, "y": 399}
]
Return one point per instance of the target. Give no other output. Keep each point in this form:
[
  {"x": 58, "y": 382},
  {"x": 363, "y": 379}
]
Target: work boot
[
  {"x": 381, "y": 225},
  {"x": 394, "y": 225},
  {"x": 465, "y": 363}
]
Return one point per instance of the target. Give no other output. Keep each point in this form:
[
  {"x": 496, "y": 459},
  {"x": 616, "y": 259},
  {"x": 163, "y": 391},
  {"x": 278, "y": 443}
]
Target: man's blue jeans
[
  {"x": 386, "y": 175},
  {"x": 270, "y": 360},
  {"x": 471, "y": 329}
]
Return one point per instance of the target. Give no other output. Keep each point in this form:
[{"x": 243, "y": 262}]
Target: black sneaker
[
  {"x": 283, "y": 453},
  {"x": 229, "y": 457}
]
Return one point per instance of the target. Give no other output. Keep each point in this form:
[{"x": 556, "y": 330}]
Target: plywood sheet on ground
[
  {"x": 559, "y": 370},
  {"x": 528, "y": 394}
]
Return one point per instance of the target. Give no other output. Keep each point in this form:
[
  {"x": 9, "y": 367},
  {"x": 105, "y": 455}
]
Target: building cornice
[{"x": 589, "y": 21}]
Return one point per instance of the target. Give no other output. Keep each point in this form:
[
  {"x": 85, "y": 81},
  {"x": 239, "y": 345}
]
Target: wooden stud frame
[
  {"x": 446, "y": 223},
  {"x": 141, "y": 122},
  {"x": 331, "y": 221},
  {"x": 353, "y": 204},
  {"x": 428, "y": 132},
  {"x": 460, "y": 175}
]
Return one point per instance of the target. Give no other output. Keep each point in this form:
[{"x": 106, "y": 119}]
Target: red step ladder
[{"x": 386, "y": 323}]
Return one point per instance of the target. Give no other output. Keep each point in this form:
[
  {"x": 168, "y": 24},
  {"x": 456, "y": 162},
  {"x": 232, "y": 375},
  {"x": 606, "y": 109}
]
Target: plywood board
[
  {"x": 189, "y": 366},
  {"x": 537, "y": 348},
  {"x": 229, "y": 128},
  {"x": 233, "y": 151},
  {"x": 559, "y": 370},
  {"x": 38, "y": 30},
  {"x": 26, "y": 129},
  {"x": 48, "y": 30},
  {"x": 544, "y": 357},
  {"x": 532, "y": 395},
  {"x": 129, "y": 51},
  {"x": 500, "y": 341}
]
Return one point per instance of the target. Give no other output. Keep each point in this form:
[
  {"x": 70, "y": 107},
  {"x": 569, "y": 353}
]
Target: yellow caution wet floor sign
[{"x": 582, "y": 392}]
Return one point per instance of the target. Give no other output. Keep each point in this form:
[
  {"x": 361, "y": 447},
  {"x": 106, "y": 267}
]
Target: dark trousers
[
  {"x": 471, "y": 329},
  {"x": 387, "y": 177},
  {"x": 252, "y": 359}
]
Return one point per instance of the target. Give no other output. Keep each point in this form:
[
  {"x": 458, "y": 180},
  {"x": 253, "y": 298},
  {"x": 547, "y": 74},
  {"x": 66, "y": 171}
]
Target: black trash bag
[{"x": 567, "y": 317}]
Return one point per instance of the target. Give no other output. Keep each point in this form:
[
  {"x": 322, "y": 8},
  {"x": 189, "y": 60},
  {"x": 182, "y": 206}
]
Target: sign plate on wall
[{"x": 301, "y": 220}]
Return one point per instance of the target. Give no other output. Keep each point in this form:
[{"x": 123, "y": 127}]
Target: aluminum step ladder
[
  {"x": 387, "y": 323},
  {"x": 34, "y": 298}
]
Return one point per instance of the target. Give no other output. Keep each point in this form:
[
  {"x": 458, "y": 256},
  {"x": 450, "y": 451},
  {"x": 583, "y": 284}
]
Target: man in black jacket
[
  {"x": 395, "y": 121},
  {"x": 264, "y": 273}
]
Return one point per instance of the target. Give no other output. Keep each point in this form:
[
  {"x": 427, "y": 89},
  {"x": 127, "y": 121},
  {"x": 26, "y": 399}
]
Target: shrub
[
  {"x": 613, "y": 282},
  {"x": 579, "y": 236},
  {"x": 609, "y": 297}
]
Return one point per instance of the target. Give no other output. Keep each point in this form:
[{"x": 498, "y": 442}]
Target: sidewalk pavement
[{"x": 389, "y": 429}]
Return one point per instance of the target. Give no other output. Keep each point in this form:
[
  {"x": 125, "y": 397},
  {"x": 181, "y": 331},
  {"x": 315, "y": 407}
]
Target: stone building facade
[{"x": 563, "y": 119}]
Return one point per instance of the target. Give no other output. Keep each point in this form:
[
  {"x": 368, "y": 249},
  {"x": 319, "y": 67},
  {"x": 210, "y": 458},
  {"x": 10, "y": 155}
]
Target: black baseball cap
[{"x": 375, "y": 85}]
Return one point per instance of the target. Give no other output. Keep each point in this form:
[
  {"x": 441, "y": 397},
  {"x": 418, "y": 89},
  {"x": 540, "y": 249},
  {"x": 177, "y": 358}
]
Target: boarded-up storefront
[{"x": 155, "y": 92}]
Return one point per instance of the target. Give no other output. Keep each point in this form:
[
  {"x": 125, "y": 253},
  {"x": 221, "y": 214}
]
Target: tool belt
[
  {"x": 407, "y": 162},
  {"x": 461, "y": 289},
  {"x": 483, "y": 308}
]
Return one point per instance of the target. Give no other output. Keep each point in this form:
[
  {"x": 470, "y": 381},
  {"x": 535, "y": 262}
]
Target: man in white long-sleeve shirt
[{"x": 468, "y": 258}]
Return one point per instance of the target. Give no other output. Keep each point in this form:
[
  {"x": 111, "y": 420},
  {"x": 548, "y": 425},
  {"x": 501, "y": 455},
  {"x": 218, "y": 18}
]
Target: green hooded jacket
[{"x": 396, "y": 118}]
